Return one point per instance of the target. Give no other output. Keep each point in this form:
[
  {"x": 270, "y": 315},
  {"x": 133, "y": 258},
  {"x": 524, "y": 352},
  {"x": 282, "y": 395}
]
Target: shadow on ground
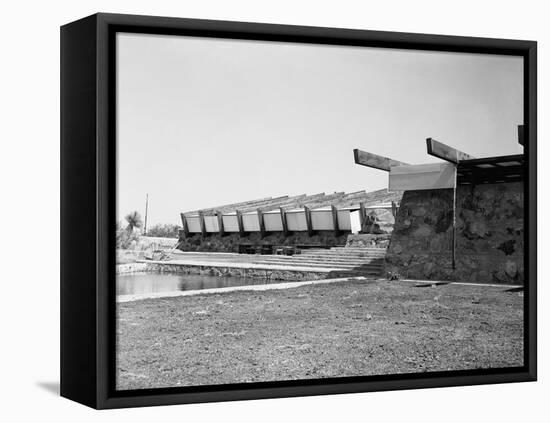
[{"x": 51, "y": 387}]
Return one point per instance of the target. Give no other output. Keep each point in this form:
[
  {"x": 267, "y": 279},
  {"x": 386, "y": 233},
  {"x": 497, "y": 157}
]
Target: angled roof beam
[
  {"x": 446, "y": 152},
  {"x": 325, "y": 201},
  {"x": 375, "y": 161},
  {"x": 226, "y": 206},
  {"x": 271, "y": 205},
  {"x": 299, "y": 202}
]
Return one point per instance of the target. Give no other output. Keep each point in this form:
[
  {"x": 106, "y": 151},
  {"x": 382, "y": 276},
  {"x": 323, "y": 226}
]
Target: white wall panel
[
  {"x": 321, "y": 220},
  {"x": 296, "y": 221},
  {"x": 355, "y": 221},
  {"x": 230, "y": 223},
  {"x": 251, "y": 222},
  {"x": 211, "y": 224},
  {"x": 272, "y": 222},
  {"x": 344, "y": 223},
  {"x": 423, "y": 176},
  {"x": 193, "y": 224}
]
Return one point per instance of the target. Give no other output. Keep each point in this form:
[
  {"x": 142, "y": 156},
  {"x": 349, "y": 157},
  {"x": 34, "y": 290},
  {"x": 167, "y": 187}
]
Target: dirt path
[{"x": 347, "y": 329}]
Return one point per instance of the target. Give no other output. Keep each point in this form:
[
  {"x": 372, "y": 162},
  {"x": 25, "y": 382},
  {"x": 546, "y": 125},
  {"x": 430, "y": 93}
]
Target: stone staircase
[
  {"x": 343, "y": 261},
  {"x": 348, "y": 261}
]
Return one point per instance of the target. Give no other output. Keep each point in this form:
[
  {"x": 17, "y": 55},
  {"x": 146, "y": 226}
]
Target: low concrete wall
[
  {"x": 130, "y": 268},
  {"x": 489, "y": 242},
  {"x": 268, "y": 274}
]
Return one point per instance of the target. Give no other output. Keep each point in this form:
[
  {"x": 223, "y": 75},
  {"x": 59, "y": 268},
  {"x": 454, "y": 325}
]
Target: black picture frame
[{"x": 88, "y": 209}]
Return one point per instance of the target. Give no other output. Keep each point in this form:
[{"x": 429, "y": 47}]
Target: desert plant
[{"x": 134, "y": 221}]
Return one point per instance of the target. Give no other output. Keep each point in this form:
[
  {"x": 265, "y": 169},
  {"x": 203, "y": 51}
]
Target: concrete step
[
  {"x": 347, "y": 265},
  {"x": 362, "y": 254},
  {"x": 248, "y": 257},
  {"x": 355, "y": 248},
  {"x": 204, "y": 253},
  {"x": 233, "y": 257},
  {"x": 321, "y": 258},
  {"x": 328, "y": 265},
  {"x": 347, "y": 251},
  {"x": 342, "y": 256},
  {"x": 312, "y": 257},
  {"x": 350, "y": 273}
]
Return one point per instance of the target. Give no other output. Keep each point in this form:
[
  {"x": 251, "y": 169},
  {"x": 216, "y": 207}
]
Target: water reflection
[{"x": 147, "y": 283}]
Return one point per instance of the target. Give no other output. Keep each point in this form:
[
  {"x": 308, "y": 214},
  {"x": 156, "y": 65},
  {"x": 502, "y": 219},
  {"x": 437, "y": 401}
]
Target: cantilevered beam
[
  {"x": 240, "y": 222},
  {"x": 219, "y": 215},
  {"x": 185, "y": 225},
  {"x": 307, "y": 213},
  {"x": 335, "y": 220},
  {"x": 283, "y": 221},
  {"x": 375, "y": 161},
  {"x": 446, "y": 152},
  {"x": 202, "y": 224},
  {"x": 261, "y": 223}
]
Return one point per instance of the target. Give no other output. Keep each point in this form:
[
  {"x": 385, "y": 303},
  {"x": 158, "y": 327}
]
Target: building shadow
[{"x": 51, "y": 387}]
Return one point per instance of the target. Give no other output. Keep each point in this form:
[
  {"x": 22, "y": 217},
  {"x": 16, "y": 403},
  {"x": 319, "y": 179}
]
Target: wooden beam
[
  {"x": 335, "y": 220},
  {"x": 521, "y": 134},
  {"x": 446, "y": 152},
  {"x": 202, "y": 224},
  {"x": 184, "y": 225},
  {"x": 283, "y": 221},
  {"x": 240, "y": 222},
  {"x": 219, "y": 215},
  {"x": 307, "y": 213},
  {"x": 261, "y": 222},
  {"x": 420, "y": 177},
  {"x": 375, "y": 161}
]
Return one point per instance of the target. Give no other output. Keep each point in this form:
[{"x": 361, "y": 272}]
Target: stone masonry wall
[
  {"x": 490, "y": 234},
  {"x": 230, "y": 242}
]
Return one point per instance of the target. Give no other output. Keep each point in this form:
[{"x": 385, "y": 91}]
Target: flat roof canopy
[{"x": 491, "y": 170}]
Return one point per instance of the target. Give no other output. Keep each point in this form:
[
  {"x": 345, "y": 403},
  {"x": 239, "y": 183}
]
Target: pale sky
[{"x": 203, "y": 122}]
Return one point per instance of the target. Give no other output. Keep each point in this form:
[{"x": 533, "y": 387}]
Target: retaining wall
[
  {"x": 489, "y": 234},
  {"x": 230, "y": 242},
  {"x": 268, "y": 274}
]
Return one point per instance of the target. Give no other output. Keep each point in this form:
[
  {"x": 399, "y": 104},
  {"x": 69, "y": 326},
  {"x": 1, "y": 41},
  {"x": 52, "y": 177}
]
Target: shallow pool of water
[{"x": 147, "y": 283}]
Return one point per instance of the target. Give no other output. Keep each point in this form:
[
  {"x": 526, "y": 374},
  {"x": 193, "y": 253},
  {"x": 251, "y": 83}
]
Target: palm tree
[{"x": 134, "y": 221}]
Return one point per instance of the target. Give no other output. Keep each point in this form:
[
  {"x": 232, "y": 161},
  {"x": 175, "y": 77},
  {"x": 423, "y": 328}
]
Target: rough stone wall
[
  {"x": 368, "y": 240},
  {"x": 383, "y": 221},
  {"x": 230, "y": 242},
  {"x": 490, "y": 234}
]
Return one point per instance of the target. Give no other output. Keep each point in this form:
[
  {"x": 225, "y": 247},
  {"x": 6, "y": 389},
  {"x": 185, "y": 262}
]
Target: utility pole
[{"x": 146, "y": 207}]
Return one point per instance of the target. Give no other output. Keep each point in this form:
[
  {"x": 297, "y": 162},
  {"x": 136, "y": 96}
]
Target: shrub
[
  {"x": 161, "y": 230},
  {"x": 126, "y": 239}
]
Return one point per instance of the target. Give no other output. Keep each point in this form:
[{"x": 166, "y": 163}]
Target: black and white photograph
[
  {"x": 292, "y": 211},
  {"x": 276, "y": 211}
]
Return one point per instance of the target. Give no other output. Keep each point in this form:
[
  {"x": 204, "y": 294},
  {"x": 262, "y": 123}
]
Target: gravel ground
[{"x": 340, "y": 329}]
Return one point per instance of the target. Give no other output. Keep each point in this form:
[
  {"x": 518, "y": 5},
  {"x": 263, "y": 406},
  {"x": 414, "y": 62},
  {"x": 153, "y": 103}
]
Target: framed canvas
[{"x": 258, "y": 211}]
